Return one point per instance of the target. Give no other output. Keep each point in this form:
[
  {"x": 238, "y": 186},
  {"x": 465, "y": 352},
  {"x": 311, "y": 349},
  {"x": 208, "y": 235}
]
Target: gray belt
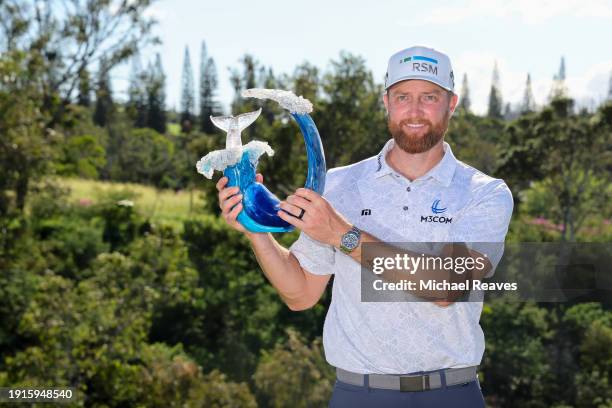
[{"x": 416, "y": 382}]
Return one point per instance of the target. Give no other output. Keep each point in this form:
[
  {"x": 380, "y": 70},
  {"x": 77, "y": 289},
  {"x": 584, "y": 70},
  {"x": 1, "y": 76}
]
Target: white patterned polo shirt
[{"x": 405, "y": 337}]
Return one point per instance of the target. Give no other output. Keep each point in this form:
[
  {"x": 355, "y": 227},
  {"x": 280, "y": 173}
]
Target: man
[{"x": 413, "y": 354}]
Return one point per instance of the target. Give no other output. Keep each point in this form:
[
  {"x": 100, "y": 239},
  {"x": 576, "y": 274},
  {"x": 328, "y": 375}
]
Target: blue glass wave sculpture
[{"x": 239, "y": 163}]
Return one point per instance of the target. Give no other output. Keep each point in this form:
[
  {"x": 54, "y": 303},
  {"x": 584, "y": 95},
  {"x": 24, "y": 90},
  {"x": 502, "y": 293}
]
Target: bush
[{"x": 295, "y": 374}]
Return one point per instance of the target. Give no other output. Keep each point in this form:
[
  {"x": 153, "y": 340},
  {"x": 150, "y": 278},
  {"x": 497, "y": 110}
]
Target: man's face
[{"x": 419, "y": 112}]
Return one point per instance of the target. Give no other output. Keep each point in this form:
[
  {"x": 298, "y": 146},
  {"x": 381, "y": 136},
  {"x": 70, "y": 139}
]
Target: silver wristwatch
[{"x": 350, "y": 240}]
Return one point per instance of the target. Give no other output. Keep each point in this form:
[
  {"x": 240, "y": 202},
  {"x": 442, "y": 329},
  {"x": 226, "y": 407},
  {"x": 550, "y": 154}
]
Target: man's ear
[{"x": 452, "y": 104}]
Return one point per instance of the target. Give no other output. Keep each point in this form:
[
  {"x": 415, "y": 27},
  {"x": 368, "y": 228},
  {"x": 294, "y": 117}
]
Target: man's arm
[
  {"x": 298, "y": 288},
  {"x": 324, "y": 224}
]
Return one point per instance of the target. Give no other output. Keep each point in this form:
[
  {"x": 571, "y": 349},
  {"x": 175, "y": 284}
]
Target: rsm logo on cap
[{"x": 425, "y": 64}]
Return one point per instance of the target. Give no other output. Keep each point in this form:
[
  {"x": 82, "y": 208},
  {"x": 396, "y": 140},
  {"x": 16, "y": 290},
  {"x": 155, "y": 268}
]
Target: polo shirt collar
[{"x": 442, "y": 172}]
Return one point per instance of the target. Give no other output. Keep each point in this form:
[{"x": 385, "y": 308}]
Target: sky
[{"x": 522, "y": 36}]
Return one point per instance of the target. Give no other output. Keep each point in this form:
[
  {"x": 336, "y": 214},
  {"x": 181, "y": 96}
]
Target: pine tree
[
  {"x": 156, "y": 96},
  {"x": 104, "y": 100},
  {"x": 266, "y": 76},
  {"x": 208, "y": 86},
  {"x": 137, "y": 105},
  {"x": 495, "y": 98},
  {"x": 610, "y": 87},
  {"x": 559, "y": 89},
  {"x": 508, "y": 112},
  {"x": 244, "y": 80},
  {"x": 528, "y": 104},
  {"x": 464, "y": 101},
  {"x": 187, "y": 95},
  {"x": 84, "y": 98}
]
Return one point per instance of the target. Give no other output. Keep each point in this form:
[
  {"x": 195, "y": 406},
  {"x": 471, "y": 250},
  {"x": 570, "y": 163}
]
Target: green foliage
[
  {"x": 593, "y": 382},
  {"x": 295, "y": 374},
  {"x": 217, "y": 392},
  {"x": 25, "y": 146},
  {"x": 572, "y": 153},
  {"x": 208, "y": 87},
  {"x": 105, "y": 107},
  {"x": 351, "y": 115},
  {"x": 70, "y": 244},
  {"x": 156, "y": 97},
  {"x": 145, "y": 156},
  {"x": 100, "y": 295},
  {"x": 87, "y": 332},
  {"x": 515, "y": 368},
  {"x": 187, "y": 95},
  {"x": 70, "y": 39},
  {"x": 523, "y": 229},
  {"x": 121, "y": 223},
  {"x": 83, "y": 157},
  {"x": 241, "y": 307},
  {"x": 475, "y": 140}
]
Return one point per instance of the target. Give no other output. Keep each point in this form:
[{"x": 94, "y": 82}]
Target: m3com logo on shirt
[{"x": 437, "y": 209}]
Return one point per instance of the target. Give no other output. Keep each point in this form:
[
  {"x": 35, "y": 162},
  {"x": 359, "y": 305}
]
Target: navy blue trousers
[{"x": 466, "y": 395}]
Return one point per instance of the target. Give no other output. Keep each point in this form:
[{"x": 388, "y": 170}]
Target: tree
[
  {"x": 528, "y": 104},
  {"x": 84, "y": 98},
  {"x": 136, "y": 105},
  {"x": 104, "y": 108},
  {"x": 244, "y": 80},
  {"x": 26, "y": 145},
  {"x": 509, "y": 113},
  {"x": 187, "y": 94},
  {"x": 83, "y": 156},
  {"x": 516, "y": 334},
  {"x": 351, "y": 115},
  {"x": 495, "y": 98},
  {"x": 208, "y": 86},
  {"x": 306, "y": 81},
  {"x": 476, "y": 140},
  {"x": 69, "y": 37},
  {"x": 609, "y": 98},
  {"x": 156, "y": 96},
  {"x": 570, "y": 153},
  {"x": 145, "y": 157},
  {"x": 465, "y": 101},
  {"x": 559, "y": 88},
  {"x": 295, "y": 374}
]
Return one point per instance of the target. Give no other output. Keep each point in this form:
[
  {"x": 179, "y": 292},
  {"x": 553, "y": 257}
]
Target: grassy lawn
[
  {"x": 174, "y": 129},
  {"x": 159, "y": 205}
]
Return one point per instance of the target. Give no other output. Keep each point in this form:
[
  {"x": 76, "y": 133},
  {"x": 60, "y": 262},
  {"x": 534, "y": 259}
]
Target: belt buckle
[{"x": 414, "y": 383}]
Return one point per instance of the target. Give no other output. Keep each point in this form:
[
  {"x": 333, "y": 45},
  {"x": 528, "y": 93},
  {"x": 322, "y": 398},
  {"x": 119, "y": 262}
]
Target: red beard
[{"x": 411, "y": 143}]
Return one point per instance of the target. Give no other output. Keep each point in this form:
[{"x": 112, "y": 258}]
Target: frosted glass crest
[{"x": 286, "y": 99}]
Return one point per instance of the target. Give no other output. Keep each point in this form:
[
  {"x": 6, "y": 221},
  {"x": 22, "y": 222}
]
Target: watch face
[{"x": 350, "y": 240}]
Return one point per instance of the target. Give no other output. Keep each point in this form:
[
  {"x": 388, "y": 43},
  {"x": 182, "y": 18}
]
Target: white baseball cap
[{"x": 420, "y": 63}]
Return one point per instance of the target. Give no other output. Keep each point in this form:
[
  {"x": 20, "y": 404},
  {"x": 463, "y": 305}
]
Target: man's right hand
[
  {"x": 299, "y": 289},
  {"x": 230, "y": 202}
]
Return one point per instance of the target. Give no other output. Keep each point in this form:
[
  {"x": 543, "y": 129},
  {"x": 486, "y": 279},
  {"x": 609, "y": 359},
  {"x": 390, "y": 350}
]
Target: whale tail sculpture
[
  {"x": 234, "y": 125},
  {"x": 239, "y": 163}
]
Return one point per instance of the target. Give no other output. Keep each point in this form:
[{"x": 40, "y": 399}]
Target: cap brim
[{"x": 428, "y": 79}]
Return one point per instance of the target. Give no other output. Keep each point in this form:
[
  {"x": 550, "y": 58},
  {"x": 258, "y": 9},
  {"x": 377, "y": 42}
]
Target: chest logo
[
  {"x": 366, "y": 211},
  {"x": 435, "y": 207}
]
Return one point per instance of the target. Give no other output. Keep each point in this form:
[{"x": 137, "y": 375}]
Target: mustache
[{"x": 415, "y": 122}]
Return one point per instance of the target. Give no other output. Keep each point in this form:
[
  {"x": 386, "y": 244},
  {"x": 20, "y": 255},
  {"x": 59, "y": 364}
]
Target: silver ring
[{"x": 301, "y": 213}]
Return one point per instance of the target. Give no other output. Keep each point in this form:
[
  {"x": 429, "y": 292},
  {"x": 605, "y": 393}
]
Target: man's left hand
[{"x": 320, "y": 221}]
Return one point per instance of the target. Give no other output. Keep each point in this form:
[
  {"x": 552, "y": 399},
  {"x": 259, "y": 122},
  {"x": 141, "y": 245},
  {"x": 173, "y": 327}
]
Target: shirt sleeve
[
  {"x": 314, "y": 256},
  {"x": 483, "y": 226}
]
